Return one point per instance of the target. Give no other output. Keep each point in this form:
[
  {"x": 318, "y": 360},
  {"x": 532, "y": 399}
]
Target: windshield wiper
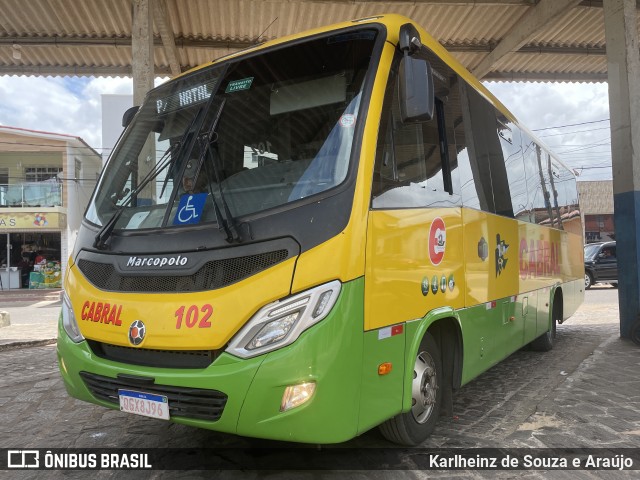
[
  {"x": 103, "y": 235},
  {"x": 228, "y": 222}
]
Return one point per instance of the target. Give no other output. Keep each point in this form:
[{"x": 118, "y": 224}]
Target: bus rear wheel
[
  {"x": 413, "y": 427},
  {"x": 545, "y": 342}
]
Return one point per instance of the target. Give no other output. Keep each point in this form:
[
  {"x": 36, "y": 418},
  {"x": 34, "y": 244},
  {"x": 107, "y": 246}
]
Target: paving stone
[{"x": 584, "y": 393}]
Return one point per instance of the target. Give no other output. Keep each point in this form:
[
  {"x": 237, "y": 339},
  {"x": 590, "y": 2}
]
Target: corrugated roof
[
  {"x": 596, "y": 198},
  {"x": 93, "y": 37}
]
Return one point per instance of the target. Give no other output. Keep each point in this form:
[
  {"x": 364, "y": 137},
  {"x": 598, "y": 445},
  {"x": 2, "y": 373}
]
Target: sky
[
  {"x": 570, "y": 118},
  {"x": 68, "y": 105}
]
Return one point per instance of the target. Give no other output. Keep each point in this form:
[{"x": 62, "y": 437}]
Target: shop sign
[{"x": 32, "y": 221}]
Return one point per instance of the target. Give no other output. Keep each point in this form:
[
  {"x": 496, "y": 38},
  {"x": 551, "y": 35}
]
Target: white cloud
[
  {"x": 585, "y": 147},
  {"x": 57, "y": 104}
]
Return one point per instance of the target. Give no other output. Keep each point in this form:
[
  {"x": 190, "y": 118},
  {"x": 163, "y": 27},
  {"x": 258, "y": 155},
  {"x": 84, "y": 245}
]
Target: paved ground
[
  {"x": 33, "y": 315},
  {"x": 584, "y": 393}
]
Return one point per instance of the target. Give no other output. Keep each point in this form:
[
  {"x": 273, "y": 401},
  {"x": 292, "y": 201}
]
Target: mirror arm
[
  {"x": 128, "y": 115},
  {"x": 409, "y": 42}
]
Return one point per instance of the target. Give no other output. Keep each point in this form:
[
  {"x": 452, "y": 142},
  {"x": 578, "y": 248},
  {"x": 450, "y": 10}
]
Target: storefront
[
  {"x": 46, "y": 180},
  {"x": 31, "y": 249}
]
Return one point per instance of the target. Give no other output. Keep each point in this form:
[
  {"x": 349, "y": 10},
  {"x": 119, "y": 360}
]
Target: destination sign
[{"x": 186, "y": 97}]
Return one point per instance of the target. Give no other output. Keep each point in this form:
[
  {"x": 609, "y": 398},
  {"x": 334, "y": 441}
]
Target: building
[
  {"x": 113, "y": 107},
  {"x": 596, "y": 201},
  {"x": 46, "y": 180}
]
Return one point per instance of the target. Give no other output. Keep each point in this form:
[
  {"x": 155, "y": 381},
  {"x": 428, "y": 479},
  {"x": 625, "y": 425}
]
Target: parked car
[{"x": 600, "y": 264}]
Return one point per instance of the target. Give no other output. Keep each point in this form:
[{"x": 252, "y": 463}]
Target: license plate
[{"x": 145, "y": 404}]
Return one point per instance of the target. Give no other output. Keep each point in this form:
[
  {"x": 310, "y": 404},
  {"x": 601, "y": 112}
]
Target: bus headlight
[
  {"x": 281, "y": 323},
  {"x": 274, "y": 331},
  {"x": 69, "y": 320}
]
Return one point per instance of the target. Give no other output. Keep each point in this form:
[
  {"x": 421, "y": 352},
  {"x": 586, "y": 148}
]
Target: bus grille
[
  {"x": 214, "y": 274},
  {"x": 196, "y": 403},
  {"x": 154, "y": 358}
]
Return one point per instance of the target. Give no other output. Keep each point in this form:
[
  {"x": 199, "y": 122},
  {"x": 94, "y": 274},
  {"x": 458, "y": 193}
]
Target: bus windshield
[{"x": 238, "y": 138}]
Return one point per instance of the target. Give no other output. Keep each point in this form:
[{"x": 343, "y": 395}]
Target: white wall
[
  {"x": 113, "y": 107},
  {"x": 79, "y": 192}
]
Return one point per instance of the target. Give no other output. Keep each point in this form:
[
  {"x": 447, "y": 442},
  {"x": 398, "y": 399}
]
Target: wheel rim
[
  {"x": 424, "y": 387},
  {"x": 587, "y": 280}
]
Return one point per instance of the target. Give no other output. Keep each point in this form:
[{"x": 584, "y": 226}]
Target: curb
[
  {"x": 30, "y": 297},
  {"x": 27, "y": 344}
]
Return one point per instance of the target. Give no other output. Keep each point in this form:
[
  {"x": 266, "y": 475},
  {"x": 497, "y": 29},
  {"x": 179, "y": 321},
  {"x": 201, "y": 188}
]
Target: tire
[
  {"x": 413, "y": 427},
  {"x": 545, "y": 342},
  {"x": 588, "y": 280}
]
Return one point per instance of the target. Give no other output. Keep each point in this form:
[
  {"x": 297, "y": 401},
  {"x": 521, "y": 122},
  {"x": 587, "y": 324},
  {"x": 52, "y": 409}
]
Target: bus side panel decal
[
  {"x": 491, "y": 257},
  {"x": 414, "y": 264}
]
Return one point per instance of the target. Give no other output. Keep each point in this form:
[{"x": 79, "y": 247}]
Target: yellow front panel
[
  {"x": 405, "y": 278},
  {"x": 339, "y": 258},
  {"x": 190, "y": 321}
]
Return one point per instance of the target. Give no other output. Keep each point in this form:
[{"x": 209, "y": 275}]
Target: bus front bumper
[{"x": 253, "y": 387}]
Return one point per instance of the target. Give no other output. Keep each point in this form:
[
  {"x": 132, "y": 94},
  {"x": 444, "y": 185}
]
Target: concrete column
[
  {"x": 623, "y": 64},
  {"x": 142, "y": 68},
  {"x": 142, "y": 49}
]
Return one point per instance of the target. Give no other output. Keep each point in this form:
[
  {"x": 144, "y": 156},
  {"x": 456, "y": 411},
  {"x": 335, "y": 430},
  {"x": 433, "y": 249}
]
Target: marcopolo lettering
[{"x": 159, "y": 262}]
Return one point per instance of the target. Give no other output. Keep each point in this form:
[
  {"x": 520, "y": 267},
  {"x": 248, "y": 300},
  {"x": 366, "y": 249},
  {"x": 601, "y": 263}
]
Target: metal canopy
[{"x": 501, "y": 40}]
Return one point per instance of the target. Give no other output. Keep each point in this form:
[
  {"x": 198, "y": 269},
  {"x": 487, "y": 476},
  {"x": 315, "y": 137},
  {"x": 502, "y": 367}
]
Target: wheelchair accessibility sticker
[{"x": 190, "y": 208}]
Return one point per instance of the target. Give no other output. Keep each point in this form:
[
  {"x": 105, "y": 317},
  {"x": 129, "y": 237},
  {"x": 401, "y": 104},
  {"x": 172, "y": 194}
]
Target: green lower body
[
  {"x": 330, "y": 353},
  {"x": 351, "y": 396}
]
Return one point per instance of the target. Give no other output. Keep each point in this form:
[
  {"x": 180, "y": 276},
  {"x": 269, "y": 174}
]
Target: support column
[
  {"x": 623, "y": 65},
  {"x": 142, "y": 49},
  {"x": 142, "y": 64}
]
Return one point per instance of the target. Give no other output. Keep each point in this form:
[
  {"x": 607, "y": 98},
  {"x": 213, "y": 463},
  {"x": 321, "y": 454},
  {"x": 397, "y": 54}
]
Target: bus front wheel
[{"x": 413, "y": 427}]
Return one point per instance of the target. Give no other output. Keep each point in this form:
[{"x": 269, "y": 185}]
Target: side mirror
[
  {"x": 417, "y": 96},
  {"x": 415, "y": 79},
  {"x": 128, "y": 115}
]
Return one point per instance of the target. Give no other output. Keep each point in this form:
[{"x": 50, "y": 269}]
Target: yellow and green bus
[{"x": 315, "y": 236}]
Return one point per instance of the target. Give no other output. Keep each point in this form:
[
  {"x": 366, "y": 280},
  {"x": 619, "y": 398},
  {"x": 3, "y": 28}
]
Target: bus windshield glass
[{"x": 236, "y": 139}]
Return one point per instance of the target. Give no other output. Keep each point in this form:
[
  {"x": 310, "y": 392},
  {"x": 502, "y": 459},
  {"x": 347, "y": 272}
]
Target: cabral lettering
[
  {"x": 100, "y": 312},
  {"x": 159, "y": 262},
  {"x": 539, "y": 259}
]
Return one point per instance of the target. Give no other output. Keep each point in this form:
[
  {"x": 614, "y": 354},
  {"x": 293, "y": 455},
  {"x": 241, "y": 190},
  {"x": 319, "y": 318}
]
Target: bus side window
[
  {"x": 511, "y": 142},
  {"x": 414, "y": 166},
  {"x": 486, "y": 167}
]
